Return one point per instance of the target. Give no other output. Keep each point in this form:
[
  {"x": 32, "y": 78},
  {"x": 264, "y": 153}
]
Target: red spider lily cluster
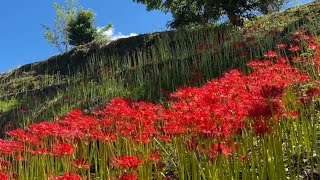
[
  {"x": 126, "y": 162},
  {"x": 3, "y": 176},
  {"x": 129, "y": 177},
  {"x": 66, "y": 176},
  {"x": 216, "y": 112},
  {"x": 81, "y": 163}
]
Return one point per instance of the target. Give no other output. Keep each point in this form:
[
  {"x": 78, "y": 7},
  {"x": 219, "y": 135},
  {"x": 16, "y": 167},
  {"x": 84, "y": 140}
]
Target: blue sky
[{"x": 22, "y": 36}]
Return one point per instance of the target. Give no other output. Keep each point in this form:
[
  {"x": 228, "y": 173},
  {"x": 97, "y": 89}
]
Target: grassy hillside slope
[{"x": 142, "y": 67}]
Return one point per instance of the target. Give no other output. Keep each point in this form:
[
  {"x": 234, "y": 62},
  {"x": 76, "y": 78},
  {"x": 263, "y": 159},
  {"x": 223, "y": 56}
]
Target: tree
[
  {"x": 201, "y": 12},
  {"x": 81, "y": 29},
  {"x": 73, "y": 26},
  {"x": 59, "y": 35}
]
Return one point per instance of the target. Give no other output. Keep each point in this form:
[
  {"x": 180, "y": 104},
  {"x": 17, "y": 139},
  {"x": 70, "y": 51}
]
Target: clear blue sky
[{"x": 22, "y": 36}]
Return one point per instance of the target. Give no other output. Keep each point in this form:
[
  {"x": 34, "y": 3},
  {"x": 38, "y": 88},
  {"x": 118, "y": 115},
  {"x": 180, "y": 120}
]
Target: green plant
[
  {"x": 6, "y": 105},
  {"x": 73, "y": 27},
  {"x": 200, "y": 12},
  {"x": 81, "y": 28},
  {"x": 59, "y": 35}
]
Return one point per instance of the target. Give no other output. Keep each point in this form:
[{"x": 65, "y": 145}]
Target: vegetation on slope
[
  {"x": 236, "y": 126},
  {"x": 139, "y": 66}
]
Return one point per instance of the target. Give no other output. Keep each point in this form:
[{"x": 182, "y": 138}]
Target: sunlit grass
[{"x": 172, "y": 61}]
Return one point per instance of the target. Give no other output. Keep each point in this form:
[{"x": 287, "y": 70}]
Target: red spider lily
[
  {"x": 154, "y": 156},
  {"x": 250, "y": 39},
  {"x": 216, "y": 111},
  {"x": 233, "y": 95},
  {"x": 296, "y": 59},
  {"x": 9, "y": 147},
  {"x": 312, "y": 46},
  {"x": 9, "y": 173},
  {"x": 299, "y": 32},
  {"x": 71, "y": 133},
  {"x": 282, "y": 60},
  {"x": 294, "y": 48},
  {"x": 74, "y": 113},
  {"x": 45, "y": 129},
  {"x": 97, "y": 112},
  {"x": 261, "y": 127},
  {"x": 17, "y": 133},
  {"x": 81, "y": 163},
  {"x": 95, "y": 134},
  {"x": 239, "y": 44},
  {"x": 313, "y": 92},
  {"x": 304, "y": 100},
  {"x": 160, "y": 165},
  {"x": 126, "y": 162},
  {"x": 165, "y": 138},
  {"x": 225, "y": 149},
  {"x": 242, "y": 158},
  {"x": 62, "y": 148},
  {"x": 8, "y": 127},
  {"x": 281, "y": 46},
  {"x": 173, "y": 128},
  {"x": 259, "y": 64},
  {"x": 39, "y": 151},
  {"x": 19, "y": 157},
  {"x": 66, "y": 176},
  {"x": 291, "y": 114},
  {"x": 268, "y": 91},
  {"x": 3, "y": 176},
  {"x": 4, "y": 163},
  {"x": 271, "y": 54},
  {"x": 142, "y": 139},
  {"x": 26, "y": 137},
  {"x": 220, "y": 147},
  {"x": 297, "y": 39},
  {"x": 109, "y": 138},
  {"x": 82, "y": 123},
  {"x": 127, "y": 176},
  {"x": 306, "y": 37},
  {"x": 191, "y": 144}
]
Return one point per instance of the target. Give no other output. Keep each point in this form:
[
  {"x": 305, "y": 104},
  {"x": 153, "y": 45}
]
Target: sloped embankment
[{"x": 140, "y": 66}]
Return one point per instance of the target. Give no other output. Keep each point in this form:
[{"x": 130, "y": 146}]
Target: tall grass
[{"x": 173, "y": 60}]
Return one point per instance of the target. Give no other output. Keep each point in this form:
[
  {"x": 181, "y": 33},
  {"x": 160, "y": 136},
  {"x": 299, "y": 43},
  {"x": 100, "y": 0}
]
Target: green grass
[
  {"x": 139, "y": 67},
  {"x": 6, "y": 105},
  {"x": 145, "y": 68}
]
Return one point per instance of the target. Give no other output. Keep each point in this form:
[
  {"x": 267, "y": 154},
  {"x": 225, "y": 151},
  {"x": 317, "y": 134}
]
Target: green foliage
[
  {"x": 59, "y": 35},
  {"x": 145, "y": 63},
  {"x": 81, "y": 28},
  {"x": 201, "y": 12},
  {"x": 5, "y": 105},
  {"x": 73, "y": 26}
]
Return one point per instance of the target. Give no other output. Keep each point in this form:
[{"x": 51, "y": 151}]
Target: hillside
[
  {"x": 220, "y": 102},
  {"x": 142, "y": 67}
]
